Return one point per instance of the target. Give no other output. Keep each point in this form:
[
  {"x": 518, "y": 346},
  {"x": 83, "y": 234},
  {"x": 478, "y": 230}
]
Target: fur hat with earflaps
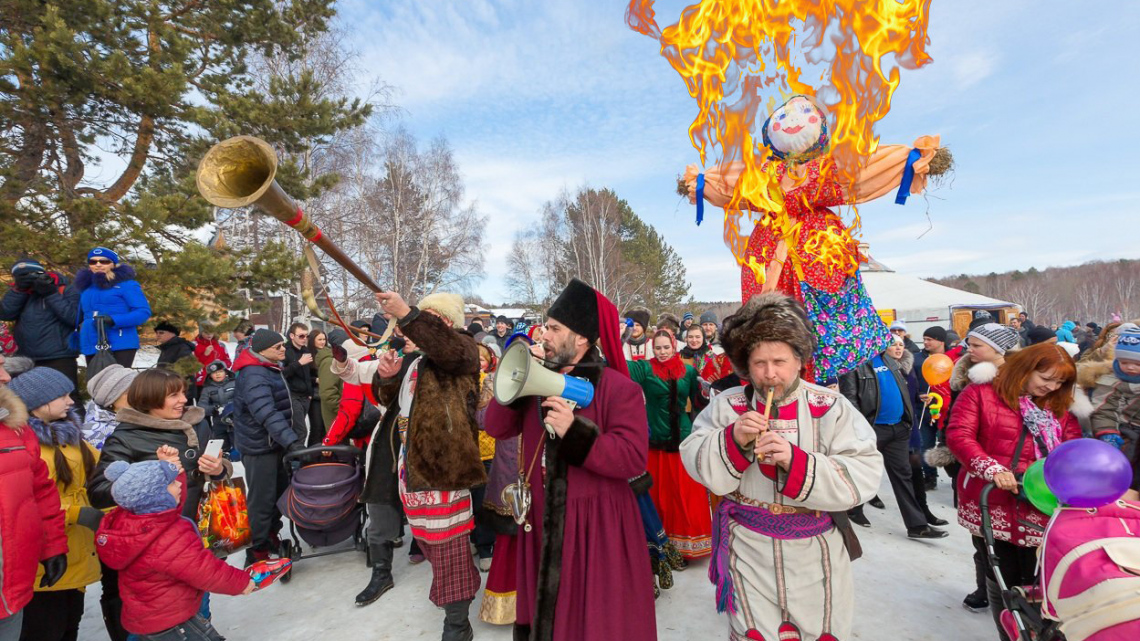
[{"x": 767, "y": 318}]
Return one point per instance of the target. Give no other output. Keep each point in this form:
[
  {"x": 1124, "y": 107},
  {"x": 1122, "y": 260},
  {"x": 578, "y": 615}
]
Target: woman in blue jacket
[{"x": 109, "y": 294}]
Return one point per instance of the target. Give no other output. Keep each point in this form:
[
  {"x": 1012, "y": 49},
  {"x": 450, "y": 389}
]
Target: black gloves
[
  {"x": 25, "y": 280},
  {"x": 107, "y": 321},
  {"x": 44, "y": 284},
  {"x": 53, "y": 570},
  {"x": 295, "y": 446},
  {"x": 339, "y": 354},
  {"x": 89, "y": 517}
]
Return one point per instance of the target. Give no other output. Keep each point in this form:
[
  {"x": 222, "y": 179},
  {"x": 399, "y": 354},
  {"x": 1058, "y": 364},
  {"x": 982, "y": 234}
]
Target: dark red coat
[
  {"x": 163, "y": 567},
  {"x": 983, "y": 435},
  {"x": 32, "y": 525}
]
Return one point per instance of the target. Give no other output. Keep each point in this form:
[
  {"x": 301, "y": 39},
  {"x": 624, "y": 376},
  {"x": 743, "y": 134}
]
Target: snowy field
[{"x": 906, "y": 590}]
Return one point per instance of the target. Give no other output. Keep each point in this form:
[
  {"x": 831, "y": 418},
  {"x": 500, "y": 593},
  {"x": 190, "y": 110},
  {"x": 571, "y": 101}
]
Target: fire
[{"x": 736, "y": 55}]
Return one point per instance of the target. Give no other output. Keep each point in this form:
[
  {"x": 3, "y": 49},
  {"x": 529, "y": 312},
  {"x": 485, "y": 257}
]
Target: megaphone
[{"x": 520, "y": 374}]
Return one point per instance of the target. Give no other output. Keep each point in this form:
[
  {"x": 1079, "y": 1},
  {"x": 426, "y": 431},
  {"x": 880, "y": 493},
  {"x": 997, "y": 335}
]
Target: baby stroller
[
  {"x": 321, "y": 502},
  {"x": 1021, "y": 616}
]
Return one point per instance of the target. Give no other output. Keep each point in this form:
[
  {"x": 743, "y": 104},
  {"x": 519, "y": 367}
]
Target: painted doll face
[{"x": 795, "y": 128}]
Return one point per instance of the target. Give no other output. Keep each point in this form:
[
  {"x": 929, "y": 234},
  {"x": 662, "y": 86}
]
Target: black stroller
[
  {"x": 321, "y": 502},
  {"x": 1021, "y": 604}
]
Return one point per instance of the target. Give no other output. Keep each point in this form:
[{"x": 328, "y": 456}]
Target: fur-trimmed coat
[
  {"x": 120, "y": 298},
  {"x": 443, "y": 433},
  {"x": 583, "y": 571}
]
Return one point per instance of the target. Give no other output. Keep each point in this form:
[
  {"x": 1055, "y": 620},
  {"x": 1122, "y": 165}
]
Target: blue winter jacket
[
  {"x": 263, "y": 410},
  {"x": 1065, "y": 333},
  {"x": 44, "y": 324},
  {"x": 122, "y": 299}
]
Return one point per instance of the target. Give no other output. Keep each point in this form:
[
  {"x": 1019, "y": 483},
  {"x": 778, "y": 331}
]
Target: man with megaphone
[{"x": 583, "y": 566}]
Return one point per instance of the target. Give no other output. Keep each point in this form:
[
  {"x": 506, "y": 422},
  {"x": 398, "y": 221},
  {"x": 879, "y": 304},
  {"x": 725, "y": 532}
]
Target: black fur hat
[
  {"x": 767, "y": 318},
  {"x": 640, "y": 315},
  {"x": 577, "y": 308}
]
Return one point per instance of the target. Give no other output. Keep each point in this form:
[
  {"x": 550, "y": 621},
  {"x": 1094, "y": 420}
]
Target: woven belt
[{"x": 774, "y": 508}]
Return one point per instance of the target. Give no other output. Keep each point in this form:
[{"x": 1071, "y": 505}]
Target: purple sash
[{"x": 761, "y": 521}]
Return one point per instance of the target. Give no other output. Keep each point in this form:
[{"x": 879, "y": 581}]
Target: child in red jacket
[{"x": 164, "y": 569}]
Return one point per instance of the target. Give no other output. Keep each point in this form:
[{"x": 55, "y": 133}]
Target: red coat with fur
[
  {"x": 32, "y": 525},
  {"x": 983, "y": 435},
  {"x": 163, "y": 567}
]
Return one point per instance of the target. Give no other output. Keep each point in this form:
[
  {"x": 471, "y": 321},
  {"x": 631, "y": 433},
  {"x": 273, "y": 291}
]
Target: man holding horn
[{"x": 790, "y": 458}]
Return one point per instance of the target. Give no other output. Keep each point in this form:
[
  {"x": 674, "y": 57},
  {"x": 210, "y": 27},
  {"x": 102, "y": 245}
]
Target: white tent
[{"x": 921, "y": 304}]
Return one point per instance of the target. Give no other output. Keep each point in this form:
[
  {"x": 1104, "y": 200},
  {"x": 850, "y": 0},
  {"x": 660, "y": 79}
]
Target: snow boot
[
  {"x": 993, "y": 592},
  {"x": 381, "y": 580},
  {"x": 457, "y": 622}
]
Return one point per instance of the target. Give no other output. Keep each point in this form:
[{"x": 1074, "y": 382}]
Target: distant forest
[{"x": 1089, "y": 292}]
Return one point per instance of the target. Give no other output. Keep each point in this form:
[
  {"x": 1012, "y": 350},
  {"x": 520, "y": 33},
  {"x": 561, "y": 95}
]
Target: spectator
[
  {"x": 108, "y": 390},
  {"x": 41, "y": 537},
  {"x": 898, "y": 328},
  {"x": 298, "y": 377},
  {"x": 997, "y": 430},
  {"x": 1022, "y": 333},
  {"x": 635, "y": 342},
  {"x": 217, "y": 394},
  {"x": 329, "y": 385},
  {"x": 241, "y": 335},
  {"x": 669, "y": 323},
  {"x": 165, "y": 569},
  {"x": 171, "y": 347},
  {"x": 263, "y": 432},
  {"x": 934, "y": 341},
  {"x": 880, "y": 390},
  {"x": 54, "y": 612},
  {"x": 1065, "y": 332},
  {"x": 709, "y": 324},
  {"x": 109, "y": 294},
  {"x": 319, "y": 341},
  {"x": 686, "y": 321},
  {"x": 1041, "y": 334},
  {"x": 207, "y": 349},
  {"x": 1116, "y": 398},
  {"x": 45, "y": 308},
  {"x": 502, "y": 332},
  {"x": 1026, "y": 324}
]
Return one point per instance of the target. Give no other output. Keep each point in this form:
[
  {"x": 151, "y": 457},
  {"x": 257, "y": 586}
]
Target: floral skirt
[{"x": 849, "y": 329}]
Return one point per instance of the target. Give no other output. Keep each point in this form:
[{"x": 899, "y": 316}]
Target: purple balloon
[{"x": 1087, "y": 473}]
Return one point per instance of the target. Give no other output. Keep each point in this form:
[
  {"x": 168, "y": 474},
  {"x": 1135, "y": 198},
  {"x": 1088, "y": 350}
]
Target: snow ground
[{"x": 905, "y": 590}]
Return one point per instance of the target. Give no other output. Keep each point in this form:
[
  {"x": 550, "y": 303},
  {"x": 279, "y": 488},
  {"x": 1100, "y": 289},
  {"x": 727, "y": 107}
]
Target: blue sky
[{"x": 1032, "y": 98}]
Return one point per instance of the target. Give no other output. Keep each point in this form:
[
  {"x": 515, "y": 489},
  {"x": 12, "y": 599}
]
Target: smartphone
[{"x": 213, "y": 448}]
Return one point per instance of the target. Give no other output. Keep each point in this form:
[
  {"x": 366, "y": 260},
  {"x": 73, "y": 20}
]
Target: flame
[{"x": 732, "y": 54}]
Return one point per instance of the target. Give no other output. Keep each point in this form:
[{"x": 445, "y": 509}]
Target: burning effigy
[{"x": 785, "y": 152}]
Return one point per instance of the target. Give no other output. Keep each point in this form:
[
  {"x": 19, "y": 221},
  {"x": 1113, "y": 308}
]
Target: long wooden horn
[{"x": 240, "y": 171}]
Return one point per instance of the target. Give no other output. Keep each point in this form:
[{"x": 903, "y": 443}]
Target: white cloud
[{"x": 973, "y": 67}]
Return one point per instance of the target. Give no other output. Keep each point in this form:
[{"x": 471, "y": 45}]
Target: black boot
[
  {"x": 996, "y": 606},
  {"x": 457, "y": 622},
  {"x": 381, "y": 580}
]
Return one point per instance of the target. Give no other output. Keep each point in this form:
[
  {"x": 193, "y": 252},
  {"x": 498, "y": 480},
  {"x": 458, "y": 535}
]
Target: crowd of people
[{"x": 704, "y": 439}]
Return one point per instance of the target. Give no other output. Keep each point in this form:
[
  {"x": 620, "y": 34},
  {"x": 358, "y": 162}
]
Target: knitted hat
[
  {"x": 639, "y": 315},
  {"x": 26, "y": 266},
  {"x": 981, "y": 313},
  {"x": 1039, "y": 334},
  {"x": 166, "y": 326},
  {"x": 217, "y": 366},
  {"x": 999, "y": 337},
  {"x": 708, "y": 317},
  {"x": 263, "y": 339},
  {"x": 898, "y": 325},
  {"x": 140, "y": 488},
  {"x": 39, "y": 386},
  {"x": 449, "y": 306},
  {"x": 952, "y": 337},
  {"x": 502, "y": 319},
  {"x": 338, "y": 336},
  {"x": 110, "y": 383},
  {"x": 1128, "y": 345},
  {"x": 936, "y": 332},
  {"x": 686, "y": 316},
  {"x": 103, "y": 252}
]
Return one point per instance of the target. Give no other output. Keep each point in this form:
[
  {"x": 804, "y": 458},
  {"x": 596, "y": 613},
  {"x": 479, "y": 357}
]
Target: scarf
[
  {"x": 694, "y": 354},
  {"x": 1042, "y": 425},
  {"x": 637, "y": 342},
  {"x": 670, "y": 370},
  {"x": 1132, "y": 380},
  {"x": 65, "y": 431}
]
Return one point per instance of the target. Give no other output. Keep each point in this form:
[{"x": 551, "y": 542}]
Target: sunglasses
[
  {"x": 99, "y": 261},
  {"x": 301, "y": 336}
]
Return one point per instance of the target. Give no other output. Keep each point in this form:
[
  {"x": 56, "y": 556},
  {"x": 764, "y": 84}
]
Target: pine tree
[{"x": 153, "y": 83}]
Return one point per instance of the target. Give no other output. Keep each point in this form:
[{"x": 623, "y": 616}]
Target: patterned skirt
[
  {"x": 849, "y": 329},
  {"x": 682, "y": 503}
]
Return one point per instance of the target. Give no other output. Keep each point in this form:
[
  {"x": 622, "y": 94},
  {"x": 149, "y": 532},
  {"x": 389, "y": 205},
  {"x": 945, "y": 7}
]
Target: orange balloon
[{"x": 936, "y": 370}]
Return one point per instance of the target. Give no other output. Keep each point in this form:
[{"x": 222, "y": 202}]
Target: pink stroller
[{"x": 1090, "y": 572}]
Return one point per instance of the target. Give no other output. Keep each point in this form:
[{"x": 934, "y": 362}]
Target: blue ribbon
[
  {"x": 907, "y": 177},
  {"x": 700, "y": 198}
]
